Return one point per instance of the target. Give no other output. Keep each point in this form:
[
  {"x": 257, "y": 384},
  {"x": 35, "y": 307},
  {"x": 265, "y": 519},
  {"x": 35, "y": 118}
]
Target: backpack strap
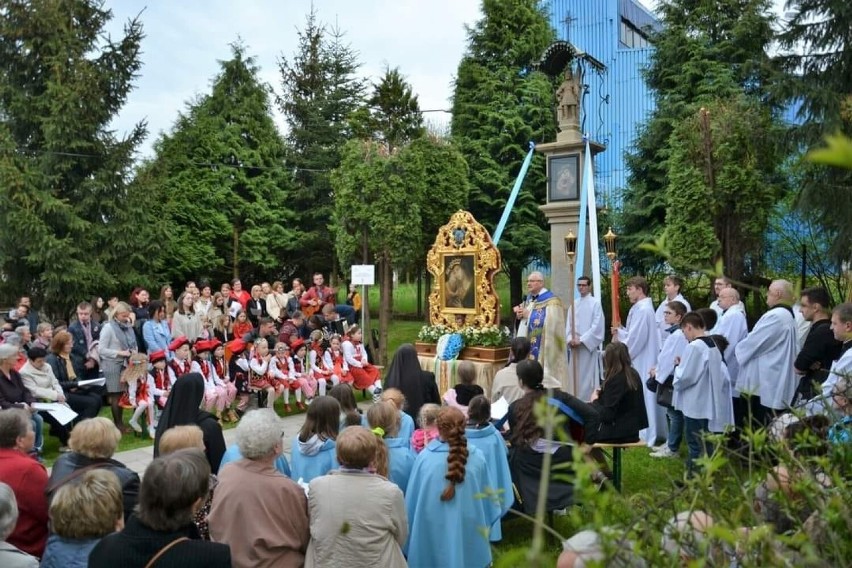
[{"x": 163, "y": 550}]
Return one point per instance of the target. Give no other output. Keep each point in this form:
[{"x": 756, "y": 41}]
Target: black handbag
[
  {"x": 665, "y": 392},
  {"x": 651, "y": 383}
]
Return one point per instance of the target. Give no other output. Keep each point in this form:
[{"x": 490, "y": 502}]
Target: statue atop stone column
[{"x": 568, "y": 109}]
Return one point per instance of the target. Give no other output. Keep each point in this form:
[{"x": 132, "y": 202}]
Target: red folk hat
[
  {"x": 205, "y": 345},
  {"x": 237, "y": 346},
  {"x": 178, "y": 343},
  {"x": 159, "y": 355},
  {"x": 297, "y": 344}
]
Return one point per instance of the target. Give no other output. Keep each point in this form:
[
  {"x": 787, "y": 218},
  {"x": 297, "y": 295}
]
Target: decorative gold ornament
[{"x": 463, "y": 262}]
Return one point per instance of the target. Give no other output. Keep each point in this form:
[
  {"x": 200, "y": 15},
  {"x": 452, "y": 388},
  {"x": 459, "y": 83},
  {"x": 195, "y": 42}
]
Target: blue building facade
[{"x": 617, "y": 100}]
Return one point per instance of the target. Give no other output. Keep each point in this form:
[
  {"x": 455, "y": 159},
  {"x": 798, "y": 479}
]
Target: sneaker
[
  {"x": 152, "y": 432},
  {"x": 664, "y": 452},
  {"x": 135, "y": 425},
  {"x": 377, "y": 395},
  {"x": 659, "y": 448}
]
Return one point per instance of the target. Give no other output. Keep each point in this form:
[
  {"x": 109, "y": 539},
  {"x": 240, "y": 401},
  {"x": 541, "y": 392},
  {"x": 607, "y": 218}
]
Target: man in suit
[{"x": 85, "y": 333}]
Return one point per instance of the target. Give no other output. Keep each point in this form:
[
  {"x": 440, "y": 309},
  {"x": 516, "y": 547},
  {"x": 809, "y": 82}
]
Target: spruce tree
[
  {"x": 222, "y": 173},
  {"x": 818, "y": 59},
  {"x": 705, "y": 51},
  {"x": 65, "y": 232},
  {"x": 319, "y": 92},
  {"x": 500, "y": 105}
]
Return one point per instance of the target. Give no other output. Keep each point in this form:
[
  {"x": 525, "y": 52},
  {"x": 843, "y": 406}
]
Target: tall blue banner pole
[
  {"x": 498, "y": 232},
  {"x": 581, "y": 225}
]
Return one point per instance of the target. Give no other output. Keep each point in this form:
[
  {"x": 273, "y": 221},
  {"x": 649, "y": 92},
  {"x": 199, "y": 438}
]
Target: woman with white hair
[
  {"x": 117, "y": 344},
  {"x": 259, "y": 511},
  {"x": 10, "y": 555},
  {"x": 13, "y": 393}
]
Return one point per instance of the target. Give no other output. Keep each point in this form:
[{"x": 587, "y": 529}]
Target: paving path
[{"x": 138, "y": 459}]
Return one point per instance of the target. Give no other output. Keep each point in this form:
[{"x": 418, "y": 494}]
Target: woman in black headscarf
[
  {"x": 418, "y": 386},
  {"x": 184, "y": 407}
]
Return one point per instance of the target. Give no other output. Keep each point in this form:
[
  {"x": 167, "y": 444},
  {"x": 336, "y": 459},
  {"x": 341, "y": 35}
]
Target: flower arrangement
[{"x": 486, "y": 336}]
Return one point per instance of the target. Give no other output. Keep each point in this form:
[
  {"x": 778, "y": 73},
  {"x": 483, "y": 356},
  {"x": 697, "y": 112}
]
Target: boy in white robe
[
  {"x": 700, "y": 387},
  {"x": 643, "y": 342}
]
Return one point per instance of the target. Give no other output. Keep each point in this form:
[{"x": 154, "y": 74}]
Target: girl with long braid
[{"x": 446, "y": 513}]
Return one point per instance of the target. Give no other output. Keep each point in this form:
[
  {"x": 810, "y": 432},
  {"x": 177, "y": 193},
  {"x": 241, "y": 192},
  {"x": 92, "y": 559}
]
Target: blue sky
[{"x": 185, "y": 40}]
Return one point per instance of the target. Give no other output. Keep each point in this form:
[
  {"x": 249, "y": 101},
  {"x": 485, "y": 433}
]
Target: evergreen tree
[
  {"x": 722, "y": 185},
  {"x": 392, "y": 114},
  {"x": 818, "y": 42},
  {"x": 221, "y": 172},
  {"x": 65, "y": 233},
  {"x": 319, "y": 93},
  {"x": 377, "y": 206},
  {"x": 499, "y": 106},
  {"x": 705, "y": 50}
]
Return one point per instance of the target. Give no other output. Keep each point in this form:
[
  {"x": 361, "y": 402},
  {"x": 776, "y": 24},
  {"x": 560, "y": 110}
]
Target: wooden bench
[{"x": 616, "y": 458}]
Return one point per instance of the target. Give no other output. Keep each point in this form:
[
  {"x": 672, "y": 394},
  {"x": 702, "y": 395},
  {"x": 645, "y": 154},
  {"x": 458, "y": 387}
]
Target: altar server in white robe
[
  {"x": 732, "y": 326},
  {"x": 585, "y": 341},
  {"x": 719, "y": 284},
  {"x": 642, "y": 338},
  {"x": 766, "y": 378},
  {"x": 841, "y": 325},
  {"x": 701, "y": 388},
  {"x": 671, "y": 285}
]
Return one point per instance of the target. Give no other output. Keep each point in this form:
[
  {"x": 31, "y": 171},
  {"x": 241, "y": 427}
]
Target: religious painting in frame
[
  {"x": 462, "y": 263},
  {"x": 458, "y": 287},
  {"x": 563, "y": 178}
]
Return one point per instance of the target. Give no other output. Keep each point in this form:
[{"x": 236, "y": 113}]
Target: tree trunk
[
  {"x": 516, "y": 290},
  {"x": 426, "y": 294},
  {"x": 419, "y": 294},
  {"x": 236, "y": 254},
  {"x": 385, "y": 306}
]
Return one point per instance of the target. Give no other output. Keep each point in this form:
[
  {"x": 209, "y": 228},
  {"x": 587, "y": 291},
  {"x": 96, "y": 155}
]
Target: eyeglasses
[{"x": 534, "y": 280}]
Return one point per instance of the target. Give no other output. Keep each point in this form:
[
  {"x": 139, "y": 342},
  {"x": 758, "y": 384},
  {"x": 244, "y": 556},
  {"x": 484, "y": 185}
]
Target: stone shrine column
[{"x": 565, "y": 158}]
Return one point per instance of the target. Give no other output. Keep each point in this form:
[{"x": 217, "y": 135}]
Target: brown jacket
[{"x": 262, "y": 514}]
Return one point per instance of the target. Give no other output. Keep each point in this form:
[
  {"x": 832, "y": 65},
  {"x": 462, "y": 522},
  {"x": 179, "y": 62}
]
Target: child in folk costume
[
  {"x": 222, "y": 371},
  {"x": 366, "y": 375},
  {"x": 238, "y": 371},
  {"x": 261, "y": 376},
  {"x": 159, "y": 380},
  {"x": 337, "y": 362},
  {"x": 320, "y": 370},
  {"x": 138, "y": 395},
  {"x": 282, "y": 370},
  {"x": 217, "y": 395},
  {"x": 302, "y": 370},
  {"x": 181, "y": 363}
]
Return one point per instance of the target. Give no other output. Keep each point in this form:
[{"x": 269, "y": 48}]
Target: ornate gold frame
[{"x": 464, "y": 237}]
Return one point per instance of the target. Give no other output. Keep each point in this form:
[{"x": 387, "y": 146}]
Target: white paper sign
[
  {"x": 499, "y": 409},
  {"x": 61, "y": 412},
  {"x": 364, "y": 274}
]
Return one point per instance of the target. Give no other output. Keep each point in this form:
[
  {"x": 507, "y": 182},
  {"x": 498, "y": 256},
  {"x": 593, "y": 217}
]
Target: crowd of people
[{"x": 439, "y": 470}]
